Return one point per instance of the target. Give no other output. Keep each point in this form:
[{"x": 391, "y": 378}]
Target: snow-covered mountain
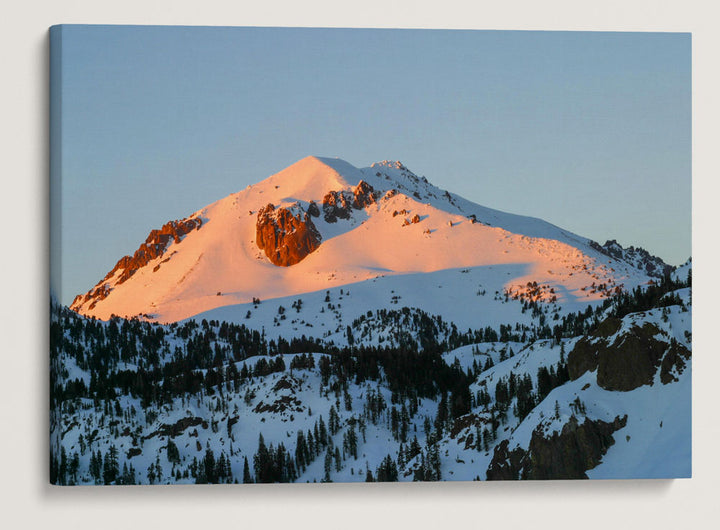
[
  {"x": 322, "y": 225},
  {"x": 340, "y": 324}
]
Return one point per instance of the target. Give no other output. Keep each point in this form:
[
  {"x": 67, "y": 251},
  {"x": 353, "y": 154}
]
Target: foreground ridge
[{"x": 134, "y": 402}]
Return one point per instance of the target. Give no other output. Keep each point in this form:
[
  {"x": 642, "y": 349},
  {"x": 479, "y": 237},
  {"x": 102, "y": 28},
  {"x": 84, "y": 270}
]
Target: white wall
[{"x": 27, "y": 502}]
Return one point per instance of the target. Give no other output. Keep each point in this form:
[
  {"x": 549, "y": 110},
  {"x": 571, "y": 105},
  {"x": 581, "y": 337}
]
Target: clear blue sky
[{"x": 590, "y": 131}]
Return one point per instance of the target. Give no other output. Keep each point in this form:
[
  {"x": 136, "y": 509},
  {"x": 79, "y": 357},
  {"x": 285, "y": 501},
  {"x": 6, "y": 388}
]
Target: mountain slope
[
  {"x": 198, "y": 402},
  {"x": 322, "y": 224}
]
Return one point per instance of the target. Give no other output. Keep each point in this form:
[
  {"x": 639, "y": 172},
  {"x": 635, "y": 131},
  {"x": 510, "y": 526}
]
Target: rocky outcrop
[
  {"x": 364, "y": 195},
  {"x": 570, "y": 453},
  {"x": 313, "y": 209},
  {"x": 154, "y": 247},
  {"x": 637, "y": 257},
  {"x": 567, "y": 454},
  {"x": 582, "y": 358},
  {"x": 607, "y": 327},
  {"x": 340, "y": 204},
  {"x": 506, "y": 464},
  {"x": 285, "y": 237},
  {"x": 629, "y": 360},
  {"x": 337, "y": 205},
  {"x": 673, "y": 362},
  {"x": 177, "y": 428}
]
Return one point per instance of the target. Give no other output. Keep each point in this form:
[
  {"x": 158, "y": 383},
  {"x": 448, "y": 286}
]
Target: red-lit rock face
[
  {"x": 340, "y": 204},
  {"x": 287, "y": 239},
  {"x": 364, "y": 195},
  {"x": 154, "y": 247}
]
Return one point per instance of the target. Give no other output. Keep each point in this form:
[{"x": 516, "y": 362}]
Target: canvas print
[{"x": 362, "y": 255}]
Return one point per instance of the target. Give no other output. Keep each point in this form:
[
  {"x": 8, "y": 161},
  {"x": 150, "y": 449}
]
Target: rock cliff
[
  {"x": 154, "y": 247},
  {"x": 286, "y": 238},
  {"x": 568, "y": 454}
]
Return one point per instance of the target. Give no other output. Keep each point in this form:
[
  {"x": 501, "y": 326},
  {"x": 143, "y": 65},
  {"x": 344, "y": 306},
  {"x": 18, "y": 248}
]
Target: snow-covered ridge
[
  {"x": 638, "y": 257},
  {"x": 683, "y": 272}
]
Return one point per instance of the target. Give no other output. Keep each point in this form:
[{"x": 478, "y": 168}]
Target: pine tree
[
  {"x": 387, "y": 471},
  {"x": 301, "y": 457},
  {"x": 247, "y": 477},
  {"x": 338, "y": 460},
  {"x": 404, "y": 424},
  {"x": 432, "y": 461},
  {"x": 73, "y": 468},
  {"x": 348, "y": 400},
  {"x": 125, "y": 475},
  {"x": 401, "y": 457},
  {"x": 262, "y": 463},
  {"x": 368, "y": 474},
  {"x": 211, "y": 471},
  {"x": 96, "y": 466},
  {"x": 158, "y": 469},
  {"x": 313, "y": 449},
  {"x": 441, "y": 417},
  {"x": 486, "y": 439},
  {"x": 395, "y": 423},
  {"x": 62, "y": 474},
  {"x": 110, "y": 467},
  {"x": 173, "y": 454},
  {"x": 350, "y": 442},
  {"x": 328, "y": 465},
  {"x": 322, "y": 431},
  {"x": 151, "y": 473},
  {"x": 334, "y": 422}
]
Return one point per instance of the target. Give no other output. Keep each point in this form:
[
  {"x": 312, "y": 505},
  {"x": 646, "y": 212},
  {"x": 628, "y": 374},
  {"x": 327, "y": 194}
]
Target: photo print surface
[{"x": 363, "y": 255}]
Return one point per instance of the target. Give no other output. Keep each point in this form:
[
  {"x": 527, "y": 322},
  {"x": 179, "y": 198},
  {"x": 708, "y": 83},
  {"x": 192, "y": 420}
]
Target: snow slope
[{"x": 227, "y": 419}]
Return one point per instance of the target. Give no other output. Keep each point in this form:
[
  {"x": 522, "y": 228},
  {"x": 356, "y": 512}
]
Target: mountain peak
[
  {"x": 312, "y": 177},
  {"x": 397, "y": 172},
  {"x": 390, "y": 164}
]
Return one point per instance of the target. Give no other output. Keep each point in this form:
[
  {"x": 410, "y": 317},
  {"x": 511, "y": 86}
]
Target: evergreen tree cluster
[
  {"x": 211, "y": 469},
  {"x": 520, "y": 389},
  {"x": 104, "y": 469}
]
